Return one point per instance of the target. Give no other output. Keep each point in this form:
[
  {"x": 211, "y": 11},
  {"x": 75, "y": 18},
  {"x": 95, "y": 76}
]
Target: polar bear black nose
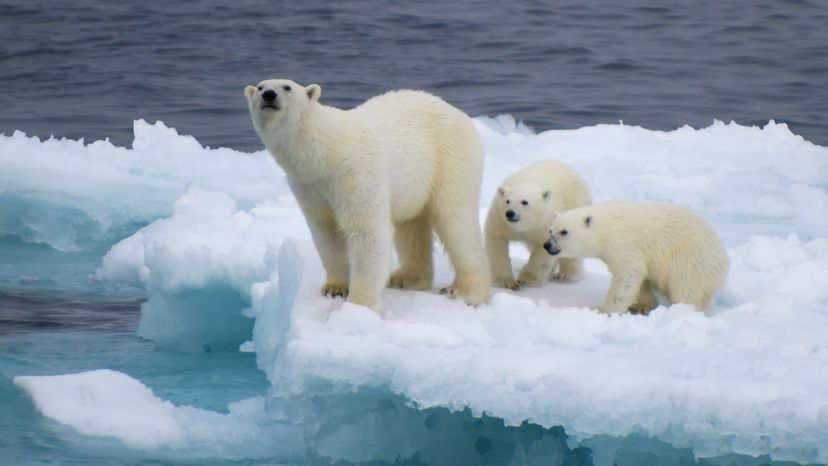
[
  {"x": 551, "y": 248},
  {"x": 269, "y": 95},
  {"x": 510, "y": 214}
]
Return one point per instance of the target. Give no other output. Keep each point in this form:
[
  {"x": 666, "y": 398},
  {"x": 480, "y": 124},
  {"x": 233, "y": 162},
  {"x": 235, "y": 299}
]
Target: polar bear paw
[
  {"x": 334, "y": 289},
  {"x": 409, "y": 281},
  {"x": 509, "y": 283},
  {"x": 527, "y": 279},
  {"x": 473, "y": 290},
  {"x": 566, "y": 277},
  {"x": 640, "y": 309},
  {"x": 450, "y": 291}
]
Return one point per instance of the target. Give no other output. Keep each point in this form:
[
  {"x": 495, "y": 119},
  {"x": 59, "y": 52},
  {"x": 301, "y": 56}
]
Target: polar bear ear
[
  {"x": 545, "y": 195},
  {"x": 588, "y": 221},
  {"x": 313, "y": 91},
  {"x": 249, "y": 91},
  {"x": 501, "y": 192}
]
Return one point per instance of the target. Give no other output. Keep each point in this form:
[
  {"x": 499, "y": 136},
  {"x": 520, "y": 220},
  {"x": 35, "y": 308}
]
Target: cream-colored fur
[
  {"x": 646, "y": 246},
  {"x": 532, "y": 195},
  {"x": 394, "y": 169}
]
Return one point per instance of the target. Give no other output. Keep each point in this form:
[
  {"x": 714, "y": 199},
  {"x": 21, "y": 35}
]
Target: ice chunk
[
  {"x": 747, "y": 377},
  {"x": 207, "y": 241},
  {"x": 107, "y": 403},
  {"x": 736, "y": 380},
  {"x": 199, "y": 266},
  {"x": 76, "y": 196}
]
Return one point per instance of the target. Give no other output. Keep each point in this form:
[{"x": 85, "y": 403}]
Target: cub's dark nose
[
  {"x": 510, "y": 214},
  {"x": 551, "y": 249},
  {"x": 269, "y": 95}
]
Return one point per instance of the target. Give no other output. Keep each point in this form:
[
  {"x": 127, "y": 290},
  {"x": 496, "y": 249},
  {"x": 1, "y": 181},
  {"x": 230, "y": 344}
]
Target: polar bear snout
[
  {"x": 512, "y": 216},
  {"x": 269, "y": 99},
  {"x": 552, "y": 247},
  {"x": 269, "y": 95}
]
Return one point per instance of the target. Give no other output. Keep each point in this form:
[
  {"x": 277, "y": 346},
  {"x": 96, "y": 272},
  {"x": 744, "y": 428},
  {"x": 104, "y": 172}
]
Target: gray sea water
[{"x": 89, "y": 68}]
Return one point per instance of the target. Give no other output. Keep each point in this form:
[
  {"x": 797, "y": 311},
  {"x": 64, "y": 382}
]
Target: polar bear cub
[
  {"x": 394, "y": 169},
  {"x": 646, "y": 246},
  {"x": 522, "y": 210}
]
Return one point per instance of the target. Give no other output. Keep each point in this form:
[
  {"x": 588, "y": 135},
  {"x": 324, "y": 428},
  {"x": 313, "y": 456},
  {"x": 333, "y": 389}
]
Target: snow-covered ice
[{"x": 227, "y": 262}]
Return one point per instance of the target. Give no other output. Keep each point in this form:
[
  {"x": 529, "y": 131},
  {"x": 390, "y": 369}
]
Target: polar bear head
[
  {"x": 525, "y": 207},
  {"x": 278, "y": 104},
  {"x": 572, "y": 234}
]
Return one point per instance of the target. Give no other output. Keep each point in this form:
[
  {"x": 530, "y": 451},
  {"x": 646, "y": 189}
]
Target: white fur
[
  {"x": 646, "y": 246},
  {"x": 545, "y": 187},
  {"x": 391, "y": 169}
]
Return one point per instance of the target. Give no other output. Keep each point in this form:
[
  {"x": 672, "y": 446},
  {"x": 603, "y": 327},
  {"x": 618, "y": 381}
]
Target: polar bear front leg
[
  {"x": 332, "y": 249},
  {"x": 369, "y": 251},
  {"x": 497, "y": 253},
  {"x": 646, "y": 300},
  {"x": 327, "y": 237},
  {"x": 623, "y": 290},
  {"x": 539, "y": 266},
  {"x": 569, "y": 270},
  {"x": 497, "y": 250}
]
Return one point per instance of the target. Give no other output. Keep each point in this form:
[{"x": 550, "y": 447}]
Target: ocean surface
[{"x": 87, "y": 69}]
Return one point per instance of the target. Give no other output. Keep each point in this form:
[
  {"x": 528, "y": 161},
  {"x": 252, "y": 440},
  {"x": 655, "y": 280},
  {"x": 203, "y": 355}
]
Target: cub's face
[
  {"x": 279, "y": 101},
  {"x": 570, "y": 235},
  {"x": 523, "y": 207}
]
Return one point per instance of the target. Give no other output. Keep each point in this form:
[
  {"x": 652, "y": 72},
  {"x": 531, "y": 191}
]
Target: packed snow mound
[{"x": 746, "y": 377}]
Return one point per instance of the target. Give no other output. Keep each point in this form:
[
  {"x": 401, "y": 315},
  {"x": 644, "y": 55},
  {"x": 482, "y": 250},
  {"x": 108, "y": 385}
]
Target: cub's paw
[
  {"x": 334, "y": 289},
  {"x": 450, "y": 291},
  {"x": 566, "y": 277},
  {"x": 509, "y": 283},
  {"x": 527, "y": 279}
]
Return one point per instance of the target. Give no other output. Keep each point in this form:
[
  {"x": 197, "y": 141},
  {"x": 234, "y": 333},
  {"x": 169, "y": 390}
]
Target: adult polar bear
[{"x": 399, "y": 165}]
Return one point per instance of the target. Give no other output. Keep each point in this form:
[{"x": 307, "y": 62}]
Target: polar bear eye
[
  {"x": 564, "y": 232},
  {"x": 286, "y": 87},
  {"x": 508, "y": 201},
  {"x": 524, "y": 202},
  {"x": 259, "y": 88}
]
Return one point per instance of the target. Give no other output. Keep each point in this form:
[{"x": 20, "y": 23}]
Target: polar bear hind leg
[
  {"x": 455, "y": 219},
  {"x": 414, "y": 244},
  {"x": 457, "y": 226},
  {"x": 680, "y": 293}
]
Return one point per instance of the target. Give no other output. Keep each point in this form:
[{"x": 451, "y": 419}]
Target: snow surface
[{"x": 231, "y": 260}]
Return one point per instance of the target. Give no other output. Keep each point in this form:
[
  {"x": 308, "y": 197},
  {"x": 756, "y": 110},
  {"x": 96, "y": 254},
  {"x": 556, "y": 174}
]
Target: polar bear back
[
  {"x": 674, "y": 241},
  {"x": 423, "y": 141}
]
